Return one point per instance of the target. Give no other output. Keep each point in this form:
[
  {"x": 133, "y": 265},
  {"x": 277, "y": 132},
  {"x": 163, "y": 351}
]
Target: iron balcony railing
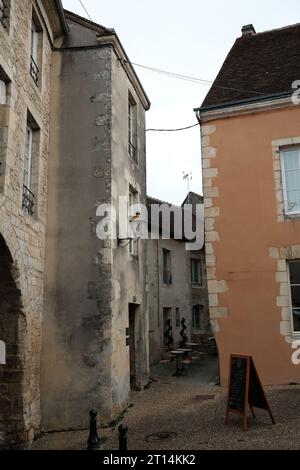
[
  {"x": 3, "y": 7},
  {"x": 34, "y": 71},
  {"x": 28, "y": 201},
  {"x": 132, "y": 151}
]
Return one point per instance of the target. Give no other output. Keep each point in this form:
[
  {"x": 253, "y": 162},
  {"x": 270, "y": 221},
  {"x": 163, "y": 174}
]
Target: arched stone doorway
[{"x": 12, "y": 331}]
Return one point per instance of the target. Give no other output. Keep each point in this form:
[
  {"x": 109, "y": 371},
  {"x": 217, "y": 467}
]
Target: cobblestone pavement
[{"x": 195, "y": 414}]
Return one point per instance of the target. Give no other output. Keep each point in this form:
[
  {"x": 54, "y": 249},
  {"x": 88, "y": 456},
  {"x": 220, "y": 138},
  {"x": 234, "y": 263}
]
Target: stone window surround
[
  {"x": 278, "y": 145},
  {"x": 283, "y": 255}
]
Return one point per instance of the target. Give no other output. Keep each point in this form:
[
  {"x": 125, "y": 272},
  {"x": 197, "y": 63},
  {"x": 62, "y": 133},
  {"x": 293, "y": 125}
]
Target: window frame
[
  {"x": 282, "y": 151},
  {"x": 28, "y": 156},
  {"x": 199, "y": 263},
  {"x": 177, "y": 317},
  {"x": 294, "y": 332},
  {"x": 134, "y": 244},
  {"x": 3, "y": 92},
  {"x": 167, "y": 272},
  {"x": 200, "y": 311},
  {"x": 132, "y": 129}
]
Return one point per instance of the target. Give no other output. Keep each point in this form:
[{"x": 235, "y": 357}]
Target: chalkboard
[
  {"x": 245, "y": 389},
  {"x": 238, "y": 384}
]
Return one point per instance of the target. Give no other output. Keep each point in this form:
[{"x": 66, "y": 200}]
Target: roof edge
[
  {"x": 230, "y": 104},
  {"x": 110, "y": 37},
  {"x": 89, "y": 23},
  {"x": 61, "y": 14}
]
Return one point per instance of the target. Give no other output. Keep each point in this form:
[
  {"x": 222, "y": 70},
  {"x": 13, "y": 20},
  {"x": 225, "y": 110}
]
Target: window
[
  {"x": 34, "y": 70},
  {"x": 196, "y": 271},
  {"x": 31, "y": 161},
  {"x": 5, "y": 88},
  {"x": 177, "y": 317},
  {"x": 28, "y": 197},
  {"x": 134, "y": 243},
  {"x": 197, "y": 317},
  {"x": 167, "y": 271},
  {"x": 294, "y": 268},
  {"x": 36, "y": 49},
  {"x": 132, "y": 129},
  {"x": 290, "y": 164},
  {"x": 3, "y": 92}
]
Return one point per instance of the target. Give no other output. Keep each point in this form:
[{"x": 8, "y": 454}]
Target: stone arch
[
  {"x": 12, "y": 332},
  {"x": 8, "y": 233}
]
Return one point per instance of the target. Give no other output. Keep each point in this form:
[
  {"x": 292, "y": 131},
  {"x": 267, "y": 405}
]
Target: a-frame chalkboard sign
[{"x": 245, "y": 389}]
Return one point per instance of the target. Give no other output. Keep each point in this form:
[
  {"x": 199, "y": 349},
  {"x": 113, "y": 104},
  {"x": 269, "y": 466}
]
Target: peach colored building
[{"x": 251, "y": 174}]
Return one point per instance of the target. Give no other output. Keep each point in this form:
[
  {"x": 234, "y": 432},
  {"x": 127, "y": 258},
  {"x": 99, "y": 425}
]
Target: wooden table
[{"x": 193, "y": 345}]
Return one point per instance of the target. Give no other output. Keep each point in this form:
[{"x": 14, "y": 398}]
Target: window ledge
[{"x": 292, "y": 215}]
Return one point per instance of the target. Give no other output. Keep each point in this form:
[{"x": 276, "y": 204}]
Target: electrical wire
[
  {"x": 81, "y": 3},
  {"x": 200, "y": 81},
  {"x": 173, "y": 130}
]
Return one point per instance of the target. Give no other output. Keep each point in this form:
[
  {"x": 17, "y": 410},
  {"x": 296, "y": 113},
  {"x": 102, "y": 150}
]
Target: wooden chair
[
  {"x": 166, "y": 357},
  {"x": 186, "y": 363}
]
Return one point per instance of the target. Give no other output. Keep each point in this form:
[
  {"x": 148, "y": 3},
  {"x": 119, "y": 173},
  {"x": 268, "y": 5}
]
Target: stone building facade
[
  {"x": 72, "y": 137},
  {"x": 28, "y": 30},
  {"x": 95, "y": 328},
  {"x": 177, "y": 289},
  {"x": 251, "y": 178}
]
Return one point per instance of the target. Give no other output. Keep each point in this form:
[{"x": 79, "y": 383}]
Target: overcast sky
[{"x": 190, "y": 37}]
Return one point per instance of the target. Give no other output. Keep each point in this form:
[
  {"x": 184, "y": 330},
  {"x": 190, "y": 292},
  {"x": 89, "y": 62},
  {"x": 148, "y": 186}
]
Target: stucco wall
[
  {"x": 77, "y": 309},
  {"x": 244, "y": 236},
  {"x": 128, "y": 272},
  {"x": 86, "y": 310}
]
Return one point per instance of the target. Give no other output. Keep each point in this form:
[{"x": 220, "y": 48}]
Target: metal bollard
[
  {"x": 123, "y": 437},
  {"x": 93, "y": 440}
]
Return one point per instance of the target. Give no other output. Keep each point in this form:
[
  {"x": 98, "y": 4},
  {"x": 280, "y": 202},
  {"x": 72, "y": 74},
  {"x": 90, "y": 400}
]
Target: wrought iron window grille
[
  {"x": 34, "y": 71},
  {"x": 28, "y": 201},
  {"x": 3, "y": 15}
]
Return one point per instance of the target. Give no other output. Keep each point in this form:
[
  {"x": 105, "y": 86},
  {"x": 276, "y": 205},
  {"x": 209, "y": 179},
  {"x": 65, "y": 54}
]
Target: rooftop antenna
[{"x": 188, "y": 176}]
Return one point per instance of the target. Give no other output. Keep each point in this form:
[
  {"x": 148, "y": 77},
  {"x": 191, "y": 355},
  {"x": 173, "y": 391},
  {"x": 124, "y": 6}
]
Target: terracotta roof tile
[{"x": 258, "y": 66}]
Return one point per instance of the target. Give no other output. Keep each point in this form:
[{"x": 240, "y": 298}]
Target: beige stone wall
[
  {"x": 23, "y": 234},
  {"x": 211, "y": 213}
]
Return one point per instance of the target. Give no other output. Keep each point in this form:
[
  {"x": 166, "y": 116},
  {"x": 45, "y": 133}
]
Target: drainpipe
[
  {"x": 62, "y": 17},
  {"x": 197, "y": 112}
]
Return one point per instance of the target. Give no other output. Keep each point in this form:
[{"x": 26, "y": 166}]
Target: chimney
[{"x": 248, "y": 30}]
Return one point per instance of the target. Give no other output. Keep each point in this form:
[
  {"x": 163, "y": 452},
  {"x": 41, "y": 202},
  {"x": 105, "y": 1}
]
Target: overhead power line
[
  {"x": 173, "y": 130},
  {"x": 200, "y": 81},
  {"x": 81, "y": 3}
]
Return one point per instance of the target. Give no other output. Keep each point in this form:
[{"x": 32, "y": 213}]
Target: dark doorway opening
[
  {"x": 133, "y": 309},
  {"x": 12, "y": 328}
]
